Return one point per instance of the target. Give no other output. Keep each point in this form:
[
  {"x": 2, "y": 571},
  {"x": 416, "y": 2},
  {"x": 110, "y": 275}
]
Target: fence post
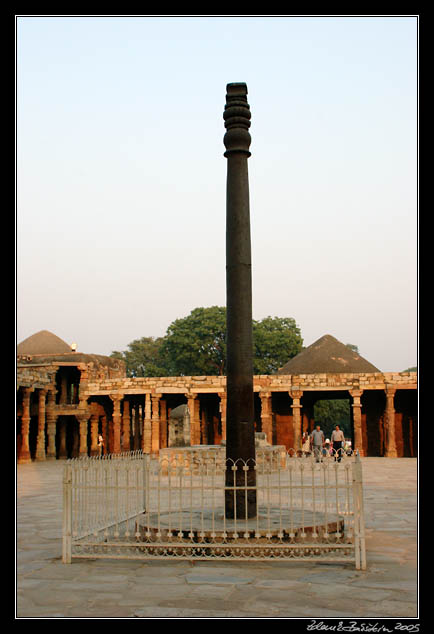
[
  {"x": 145, "y": 459},
  {"x": 359, "y": 517},
  {"x": 67, "y": 515}
]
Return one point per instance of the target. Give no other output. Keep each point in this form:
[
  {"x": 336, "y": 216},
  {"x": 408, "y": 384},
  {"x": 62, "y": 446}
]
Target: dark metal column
[{"x": 240, "y": 434}]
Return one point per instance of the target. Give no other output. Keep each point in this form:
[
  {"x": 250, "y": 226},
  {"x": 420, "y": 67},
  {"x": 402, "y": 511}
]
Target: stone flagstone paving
[{"x": 47, "y": 588}]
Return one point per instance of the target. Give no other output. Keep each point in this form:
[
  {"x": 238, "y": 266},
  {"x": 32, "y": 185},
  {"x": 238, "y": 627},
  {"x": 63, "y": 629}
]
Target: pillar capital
[
  {"x": 237, "y": 120},
  {"x": 295, "y": 394},
  {"x": 116, "y": 397}
]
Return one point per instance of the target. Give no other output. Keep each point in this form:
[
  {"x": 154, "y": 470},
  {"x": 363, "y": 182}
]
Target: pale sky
[{"x": 121, "y": 178}]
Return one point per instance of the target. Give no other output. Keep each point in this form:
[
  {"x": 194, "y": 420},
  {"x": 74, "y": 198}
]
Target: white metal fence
[{"x": 134, "y": 505}]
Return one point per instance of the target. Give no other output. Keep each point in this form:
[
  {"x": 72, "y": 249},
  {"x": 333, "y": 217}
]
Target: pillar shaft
[
  {"x": 357, "y": 421},
  {"x": 390, "y": 424},
  {"x": 62, "y": 439},
  {"x": 24, "y": 454},
  {"x": 40, "y": 441},
  {"x": 94, "y": 420},
  {"x": 240, "y": 432},
  {"x": 137, "y": 429},
  {"x": 296, "y": 419},
  {"x": 266, "y": 417},
  {"x": 155, "y": 424},
  {"x": 147, "y": 434},
  {"x": 126, "y": 444},
  {"x": 116, "y": 423},
  {"x": 83, "y": 427},
  {"x": 163, "y": 423},
  {"x": 193, "y": 406},
  {"x": 51, "y": 425}
]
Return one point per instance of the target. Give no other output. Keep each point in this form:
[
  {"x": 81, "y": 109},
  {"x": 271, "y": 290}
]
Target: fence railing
[{"x": 134, "y": 505}]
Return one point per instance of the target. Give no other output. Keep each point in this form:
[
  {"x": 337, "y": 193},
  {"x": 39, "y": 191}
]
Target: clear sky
[{"x": 121, "y": 178}]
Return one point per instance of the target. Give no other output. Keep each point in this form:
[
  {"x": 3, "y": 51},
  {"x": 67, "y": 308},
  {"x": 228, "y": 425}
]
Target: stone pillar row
[{"x": 126, "y": 424}]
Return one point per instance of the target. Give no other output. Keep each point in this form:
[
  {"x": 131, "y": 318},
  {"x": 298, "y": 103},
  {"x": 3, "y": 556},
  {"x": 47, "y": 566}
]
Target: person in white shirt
[{"x": 338, "y": 440}]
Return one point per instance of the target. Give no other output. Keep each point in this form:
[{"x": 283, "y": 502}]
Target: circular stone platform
[{"x": 208, "y": 524}]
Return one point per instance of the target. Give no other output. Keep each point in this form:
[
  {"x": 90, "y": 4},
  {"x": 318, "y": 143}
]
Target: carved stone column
[
  {"x": 155, "y": 424},
  {"x": 104, "y": 434},
  {"x": 223, "y": 402},
  {"x": 116, "y": 398},
  {"x": 40, "y": 441},
  {"x": 357, "y": 421},
  {"x": 62, "y": 438},
  {"x": 147, "y": 432},
  {"x": 83, "y": 426},
  {"x": 390, "y": 424},
  {"x": 63, "y": 390},
  {"x": 163, "y": 423},
  {"x": 203, "y": 427},
  {"x": 51, "y": 425},
  {"x": 266, "y": 418},
  {"x": 24, "y": 455},
  {"x": 137, "y": 427},
  {"x": 296, "y": 418},
  {"x": 94, "y": 420},
  {"x": 193, "y": 406},
  {"x": 126, "y": 442}
]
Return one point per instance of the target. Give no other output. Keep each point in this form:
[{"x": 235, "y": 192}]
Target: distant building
[{"x": 65, "y": 398}]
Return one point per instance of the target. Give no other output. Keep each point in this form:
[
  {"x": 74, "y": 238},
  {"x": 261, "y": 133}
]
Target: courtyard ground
[{"x": 388, "y": 588}]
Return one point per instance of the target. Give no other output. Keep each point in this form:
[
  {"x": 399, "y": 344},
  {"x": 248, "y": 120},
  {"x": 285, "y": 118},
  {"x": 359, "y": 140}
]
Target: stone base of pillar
[
  {"x": 391, "y": 454},
  {"x": 24, "y": 458}
]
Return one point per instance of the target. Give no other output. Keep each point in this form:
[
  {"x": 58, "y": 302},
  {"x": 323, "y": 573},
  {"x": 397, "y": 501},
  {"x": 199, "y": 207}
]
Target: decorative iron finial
[{"x": 237, "y": 119}]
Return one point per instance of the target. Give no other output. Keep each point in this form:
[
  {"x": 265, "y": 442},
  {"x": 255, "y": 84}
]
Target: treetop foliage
[{"x": 196, "y": 345}]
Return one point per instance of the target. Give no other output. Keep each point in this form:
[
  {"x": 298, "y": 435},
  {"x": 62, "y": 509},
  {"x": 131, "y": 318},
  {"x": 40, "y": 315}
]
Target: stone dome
[
  {"x": 327, "y": 355},
  {"x": 43, "y": 342}
]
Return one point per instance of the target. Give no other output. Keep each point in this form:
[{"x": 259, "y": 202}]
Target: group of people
[{"x": 317, "y": 444}]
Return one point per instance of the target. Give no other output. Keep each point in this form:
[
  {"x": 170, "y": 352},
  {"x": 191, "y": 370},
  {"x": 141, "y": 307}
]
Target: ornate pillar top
[
  {"x": 116, "y": 397},
  {"x": 237, "y": 120}
]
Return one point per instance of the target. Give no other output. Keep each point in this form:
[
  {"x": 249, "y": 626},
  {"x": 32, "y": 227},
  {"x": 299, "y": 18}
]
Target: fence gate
[{"x": 134, "y": 505}]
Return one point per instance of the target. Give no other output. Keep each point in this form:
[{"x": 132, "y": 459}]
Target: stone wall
[{"x": 216, "y": 384}]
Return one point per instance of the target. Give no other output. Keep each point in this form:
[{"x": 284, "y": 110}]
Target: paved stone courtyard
[{"x": 47, "y": 588}]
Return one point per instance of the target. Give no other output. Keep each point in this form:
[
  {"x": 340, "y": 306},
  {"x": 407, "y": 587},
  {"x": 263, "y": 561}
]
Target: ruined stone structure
[{"x": 65, "y": 398}]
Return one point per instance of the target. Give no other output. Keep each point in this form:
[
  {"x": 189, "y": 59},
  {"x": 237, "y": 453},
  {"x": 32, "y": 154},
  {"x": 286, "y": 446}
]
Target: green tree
[
  {"x": 275, "y": 341},
  {"x": 331, "y": 412},
  {"x": 195, "y": 345},
  {"x": 143, "y": 357}
]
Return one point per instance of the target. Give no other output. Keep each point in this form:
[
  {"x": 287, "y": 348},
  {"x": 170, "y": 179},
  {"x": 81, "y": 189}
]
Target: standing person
[
  {"x": 317, "y": 442},
  {"x": 305, "y": 444},
  {"x": 100, "y": 444},
  {"x": 338, "y": 440}
]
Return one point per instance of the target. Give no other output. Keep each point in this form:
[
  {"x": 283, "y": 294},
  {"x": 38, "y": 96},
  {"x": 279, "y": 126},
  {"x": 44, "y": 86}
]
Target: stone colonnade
[{"x": 138, "y": 418}]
